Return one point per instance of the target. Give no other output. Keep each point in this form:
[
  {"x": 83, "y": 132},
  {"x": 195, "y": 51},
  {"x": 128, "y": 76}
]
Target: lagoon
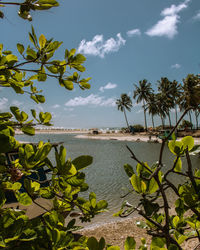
[{"x": 106, "y": 176}]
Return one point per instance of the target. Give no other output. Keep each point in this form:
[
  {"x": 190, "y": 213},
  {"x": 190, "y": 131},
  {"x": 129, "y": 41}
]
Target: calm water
[{"x": 106, "y": 176}]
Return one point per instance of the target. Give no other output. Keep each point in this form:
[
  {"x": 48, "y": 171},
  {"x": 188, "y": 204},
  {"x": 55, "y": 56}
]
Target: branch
[{"x": 136, "y": 159}]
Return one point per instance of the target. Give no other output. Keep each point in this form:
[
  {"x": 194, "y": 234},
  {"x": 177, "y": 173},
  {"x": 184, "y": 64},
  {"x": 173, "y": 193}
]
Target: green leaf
[
  {"x": 72, "y": 52},
  {"x": 113, "y": 248},
  {"x": 31, "y": 54},
  {"x": 188, "y": 142},
  {"x": 136, "y": 183},
  {"x": 82, "y": 161},
  {"x": 42, "y": 41},
  {"x": 68, "y": 85},
  {"x": 92, "y": 243},
  {"x": 24, "y": 116},
  {"x": 157, "y": 242},
  {"x": 40, "y": 98},
  {"x": 153, "y": 186},
  {"x": 102, "y": 205},
  {"x": 130, "y": 243},
  {"x": 28, "y": 130},
  {"x": 173, "y": 247},
  {"x": 175, "y": 147},
  {"x": 28, "y": 235},
  {"x": 33, "y": 112},
  {"x": 20, "y": 48},
  {"x": 46, "y": 193},
  {"x": 24, "y": 199},
  {"x": 92, "y": 198},
  {"x": 175, "y": 221},
  {"x": 102, "y": 243},
  {"x": 42, "y": 75},
  {"x": 129, "y": 170},
  {"x": 11, "y": 59},
  {"x": 2, "y": 198},
  {"x": 178, "y": 166}
]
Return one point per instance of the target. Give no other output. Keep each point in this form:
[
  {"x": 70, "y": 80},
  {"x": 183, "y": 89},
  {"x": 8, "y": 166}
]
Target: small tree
[
  {"x": 169, "y": 229},
  {"x": 123, "y": 104},
  {"x": 47, "y": 230}
]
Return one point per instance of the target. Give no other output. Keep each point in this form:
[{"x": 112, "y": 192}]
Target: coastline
[{"x": 127, "y": 137}]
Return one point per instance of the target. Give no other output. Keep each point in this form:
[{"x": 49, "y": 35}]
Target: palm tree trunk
[
  {"x": 126, "y": 119},
  {"x": 152, "y": 121},
  {"x": 145, "y": 119},
  {"x": 170, "y": 123},
  {"x": 189, "y": 112},
  {"x": 196, "y": 115},
  {"x": 162, "y": 121},
  {"x": 176, "y": 114}
]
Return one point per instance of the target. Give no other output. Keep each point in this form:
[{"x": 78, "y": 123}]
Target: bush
[
  {"x": 186, "y": 124},
  {"x": 138, "y": 128}
]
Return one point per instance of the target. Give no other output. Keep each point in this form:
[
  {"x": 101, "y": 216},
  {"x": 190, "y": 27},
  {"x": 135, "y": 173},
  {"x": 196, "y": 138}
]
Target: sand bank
[{"x": 127, "y": 137}]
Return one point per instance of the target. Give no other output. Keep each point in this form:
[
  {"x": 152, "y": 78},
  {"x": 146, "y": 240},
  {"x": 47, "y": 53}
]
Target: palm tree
[
  {"x": 166, "y": 90},
  {"x": 161, "y": 107},
  {"x": 123, "y": 104},
  {"x": 176, "y": 92},
  {"x": 152, "y": 107},
  {"x": 142, "y": 93},
  {"x": 191, "y": 93}
]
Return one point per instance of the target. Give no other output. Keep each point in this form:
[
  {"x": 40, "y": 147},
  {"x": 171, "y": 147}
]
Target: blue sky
[{"x": 123, "y": 41}]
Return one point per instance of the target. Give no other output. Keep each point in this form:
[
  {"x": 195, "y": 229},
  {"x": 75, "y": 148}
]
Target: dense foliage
[
  {"x": 169, "y": 227},
  {"x": 169, "y": 96},
  {"x": 19, "y": 178}
]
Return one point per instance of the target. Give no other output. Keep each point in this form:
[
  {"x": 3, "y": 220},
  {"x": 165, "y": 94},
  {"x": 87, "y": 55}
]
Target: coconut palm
[
  {"x": 161, "y": 107},
  {"x": 166, "y": 91},
  {"x": 141, "y": 94},
  {"x": 123, "y": 104},
  {"x": 191, "y": 93},
  {"x": 152, "y": 107},
  {"x": 176, "y": 92}
]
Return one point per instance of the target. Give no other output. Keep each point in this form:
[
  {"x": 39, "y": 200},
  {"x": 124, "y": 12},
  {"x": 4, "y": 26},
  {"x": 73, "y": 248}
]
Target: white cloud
[
  {"x": 134, "y": 32},
  {"x": 176, "y": 66},
  {"x": 56, "y": 106},
  {"x": 173, "y": 9},
  {"x": 197, "y": 16},
  {"x": 92, "y": 99},
  {"x": 3, "y": 103},
  {"x": 168, "y": 26},
  {"x": 99, "y": 47},
  {"x": 165, "y": 27},
  {"x": 108, "y": 86}
]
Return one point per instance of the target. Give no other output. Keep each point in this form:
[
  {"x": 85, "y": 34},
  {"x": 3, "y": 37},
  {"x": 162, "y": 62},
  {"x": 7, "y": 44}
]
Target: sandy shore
[
  {"x": 115, "y": 233},
  {"x": 127, "y": 137}
]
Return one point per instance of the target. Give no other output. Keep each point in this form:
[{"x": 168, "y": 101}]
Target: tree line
[{"x": 169, "y": 95}]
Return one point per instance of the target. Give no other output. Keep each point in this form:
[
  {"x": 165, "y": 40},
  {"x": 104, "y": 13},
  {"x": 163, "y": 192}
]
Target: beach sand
[
  {"x": 138, "y": 137},
  {"x": 115, "y": 233}
]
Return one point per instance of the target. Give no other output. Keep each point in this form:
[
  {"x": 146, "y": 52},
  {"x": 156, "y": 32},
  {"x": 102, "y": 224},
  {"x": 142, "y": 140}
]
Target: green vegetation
[
  {"x": 168, "y": 96},
  {"x": 123, "y": 104},
  {"x": 138, "y": 128},
  {"x": 169, "y": 228},
  {"x": 66, "y": 179},
  {"x": 142, "y": 92},
  {"x": 49, "y": 230}
]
